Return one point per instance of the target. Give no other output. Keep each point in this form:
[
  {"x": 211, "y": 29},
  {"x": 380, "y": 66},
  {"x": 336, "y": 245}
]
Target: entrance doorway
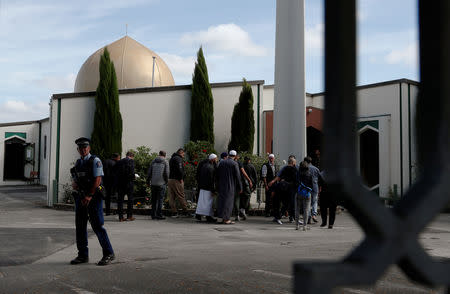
[
  {"x": 313, "y": 141},
  {"x": 369, "y": 157},
  {"x": 14, "y": 159}
]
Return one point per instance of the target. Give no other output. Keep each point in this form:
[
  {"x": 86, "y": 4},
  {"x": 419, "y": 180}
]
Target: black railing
[{"x": 391, "y": 235}]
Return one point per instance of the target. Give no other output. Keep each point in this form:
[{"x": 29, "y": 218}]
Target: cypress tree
[
  {"x": 107, "y": 134},
  {"x": 243, "y": 121},
  {"x": 201, "y": 61},
  {"x": 202, "y": 103}
]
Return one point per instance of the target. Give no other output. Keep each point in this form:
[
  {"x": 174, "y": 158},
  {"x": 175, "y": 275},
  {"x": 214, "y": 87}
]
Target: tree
[
  {"x": 107, "y": 134},
  {"x": 202, "y": 103},
  {"x": 243, "y": 121}
]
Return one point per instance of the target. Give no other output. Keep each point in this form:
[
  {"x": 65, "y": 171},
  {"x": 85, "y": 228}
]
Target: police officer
[{"x": 87, "y": 176}]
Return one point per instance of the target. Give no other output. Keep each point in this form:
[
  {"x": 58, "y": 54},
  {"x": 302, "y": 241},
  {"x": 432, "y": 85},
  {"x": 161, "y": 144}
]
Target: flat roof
[
  {"x": 398, "y": 81},
  {"x": 156, "y": 89},
  {"x": 20, "y": 123}
]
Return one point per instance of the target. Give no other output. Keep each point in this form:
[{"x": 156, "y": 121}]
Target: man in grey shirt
[
  {"x": 158, "y": 175},
  {"x": 315, "y": 174}
]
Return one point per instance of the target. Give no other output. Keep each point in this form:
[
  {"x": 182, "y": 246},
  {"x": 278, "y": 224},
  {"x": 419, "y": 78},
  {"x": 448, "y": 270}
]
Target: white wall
[
  {"x": 156, "y": 119},
  {"x": 269, "y": 94},
  {"x": 159, "y": 120}
]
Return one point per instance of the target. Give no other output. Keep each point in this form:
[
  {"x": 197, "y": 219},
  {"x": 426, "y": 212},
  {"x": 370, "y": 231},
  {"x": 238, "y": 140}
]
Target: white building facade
[
  {"x": 387, "y": 156},
  {"x": 158, "y": 118}
]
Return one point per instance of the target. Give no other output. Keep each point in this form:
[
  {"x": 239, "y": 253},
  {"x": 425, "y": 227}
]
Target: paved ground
[{"x": 175, "y": 255}]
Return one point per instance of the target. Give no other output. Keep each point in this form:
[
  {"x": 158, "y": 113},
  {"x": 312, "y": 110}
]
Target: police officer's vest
[{"x": 84, "y": 173}]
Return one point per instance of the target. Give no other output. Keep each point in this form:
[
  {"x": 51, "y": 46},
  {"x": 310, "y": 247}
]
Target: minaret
[{"x": 289, "y": 125}]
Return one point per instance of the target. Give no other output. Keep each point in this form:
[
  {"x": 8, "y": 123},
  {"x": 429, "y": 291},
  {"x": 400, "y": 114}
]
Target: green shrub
[
  {"x": 195, "y": 152},
  {"x": 142, "y": 160}
]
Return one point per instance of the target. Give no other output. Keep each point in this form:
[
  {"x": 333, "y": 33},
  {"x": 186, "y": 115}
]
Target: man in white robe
[{"x": 206, "y": 172}]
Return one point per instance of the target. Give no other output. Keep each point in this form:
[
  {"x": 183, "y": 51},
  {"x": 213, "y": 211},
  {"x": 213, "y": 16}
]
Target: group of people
[
  {"x": 231, "y": 179},
  {"x": 294, "y": 190},
  {"x": 119, "y": 176},
  {"x": 288, "y": 190},
  {"x": 233, "y": 182}
]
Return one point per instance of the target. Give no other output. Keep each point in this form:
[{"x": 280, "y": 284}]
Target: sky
[{"x": 45, "y": 42}]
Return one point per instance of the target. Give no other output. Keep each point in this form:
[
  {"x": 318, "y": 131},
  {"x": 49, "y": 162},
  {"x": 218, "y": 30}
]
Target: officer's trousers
[{"x": 93, "y": 212}]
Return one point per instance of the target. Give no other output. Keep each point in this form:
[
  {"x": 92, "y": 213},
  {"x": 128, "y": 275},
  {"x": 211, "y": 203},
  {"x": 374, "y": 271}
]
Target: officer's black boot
[
  {"x": 106, "y": 259},
  {"x": 79, "y": 259}
]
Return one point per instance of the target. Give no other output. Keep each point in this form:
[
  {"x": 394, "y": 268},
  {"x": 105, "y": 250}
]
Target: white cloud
[
  {"x": 361, "y": 16},
  {"x": 16, "y": 110},
  {"x": 384, "y": 42},
  {"x": 314, "y": 39},
  {"x": 178, "y": 65},
  {"x": 407, "y": 55},
  {"x": 57, "y": 83},
  {"x": 228, "y": 38},
  {"x": 15, "y": 106}
]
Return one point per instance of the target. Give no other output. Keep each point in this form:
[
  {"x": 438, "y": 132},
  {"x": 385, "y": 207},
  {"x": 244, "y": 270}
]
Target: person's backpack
[{"x": 304, "y": 190}]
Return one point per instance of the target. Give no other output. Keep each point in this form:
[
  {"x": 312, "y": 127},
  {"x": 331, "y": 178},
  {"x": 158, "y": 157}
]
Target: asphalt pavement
[{"x": 177, "y": 255}]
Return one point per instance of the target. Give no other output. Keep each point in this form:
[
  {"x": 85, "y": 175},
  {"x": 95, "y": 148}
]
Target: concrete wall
[{"x": 159, "y": 119}]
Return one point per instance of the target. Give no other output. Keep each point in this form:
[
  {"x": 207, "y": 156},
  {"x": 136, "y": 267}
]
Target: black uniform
[{"x": 83, "y": 175}]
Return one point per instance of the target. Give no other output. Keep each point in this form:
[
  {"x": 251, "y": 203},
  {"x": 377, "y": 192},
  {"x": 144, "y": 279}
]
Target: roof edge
[
  {"x": 155, "y": 89},
  {"x": 385, "y": 83},
  {"x": 397, "y": 81},
  {"x": 21, "y": 123}
]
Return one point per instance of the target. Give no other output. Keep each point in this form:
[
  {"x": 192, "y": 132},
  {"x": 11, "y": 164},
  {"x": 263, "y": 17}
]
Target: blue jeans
[
  {"x": 314, "y": 197},
  {"x": 306, "y": 204},
  {"x": 93, "y": 212},
  {"x": 158, "y": 193}
]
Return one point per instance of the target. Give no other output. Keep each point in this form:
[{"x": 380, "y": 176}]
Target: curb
[{"x": 147, "y": 211}]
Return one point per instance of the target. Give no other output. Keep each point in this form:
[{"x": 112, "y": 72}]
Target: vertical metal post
[
  {"x": 340, "y": 81},
  {"x": 434, "y": 35},
  {"x": 153, "y": 71}
]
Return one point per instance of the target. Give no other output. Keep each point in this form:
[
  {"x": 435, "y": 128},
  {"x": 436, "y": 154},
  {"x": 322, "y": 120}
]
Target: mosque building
[{"x": 156, "y": 114}]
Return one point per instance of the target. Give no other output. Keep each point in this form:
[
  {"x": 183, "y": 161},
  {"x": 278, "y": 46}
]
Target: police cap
[{"x": 82, "y": 142}]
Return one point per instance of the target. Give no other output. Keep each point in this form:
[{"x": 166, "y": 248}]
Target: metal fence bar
[{"x": 391, "y": 234}]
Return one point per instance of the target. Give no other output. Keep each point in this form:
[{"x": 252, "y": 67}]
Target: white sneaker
[{"x": 275, "y": 220}]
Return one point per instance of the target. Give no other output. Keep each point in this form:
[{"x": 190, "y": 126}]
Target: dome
[{"x": 133, "y": 63}]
